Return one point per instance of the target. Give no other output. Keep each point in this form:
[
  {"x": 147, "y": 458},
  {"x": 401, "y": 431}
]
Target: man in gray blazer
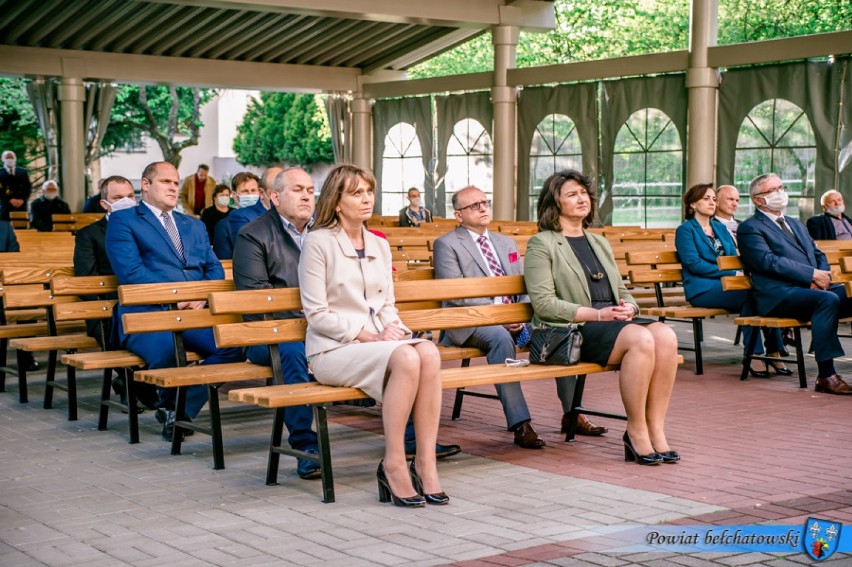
[{"x": 471, "y": 251}]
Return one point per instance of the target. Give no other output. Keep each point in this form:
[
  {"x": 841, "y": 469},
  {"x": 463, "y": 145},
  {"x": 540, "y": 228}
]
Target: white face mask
[
  {"x": 121, "y": 204},
  {"x": 50, "y": 196},
  {"x": 776, "y": 201},
  {"x": 836, "y": 211},
  {"x": 223, "y": 200},
  {"x": 10, "y": 163},
  {"x": 248, "y": 200},
  {"x": 417, "y": 202}
]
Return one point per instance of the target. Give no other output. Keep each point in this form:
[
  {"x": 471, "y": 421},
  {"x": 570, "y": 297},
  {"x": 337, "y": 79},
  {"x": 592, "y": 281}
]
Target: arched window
[
  {"x": 402, "y": 167},
  {"x": 647, "y": 171},
  {"x": 555, "y": 146},
  {"x": 469, "y": 160},
  {"x": 776, "y": 136}
]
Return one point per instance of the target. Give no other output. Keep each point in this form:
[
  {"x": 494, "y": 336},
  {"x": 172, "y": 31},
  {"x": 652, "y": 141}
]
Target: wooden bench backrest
[
  {"x": 32, "y": 275},
  {"x": 176, "y": 292},
  {"x": 92, "y": 309},
  {"x": 173, "y": 320},
  {"x": 19, "y": 297},
  {"x": 171, "y": 294}
]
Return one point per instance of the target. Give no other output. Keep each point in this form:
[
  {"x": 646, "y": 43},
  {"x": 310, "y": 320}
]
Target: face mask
[
  {"x": 776, "y": 201},
  {"x": 223, "y": 200},
  {"x": 50, "y": 196},
  {"x": 121, "y": 204},
  {"x": 10, "y": 163},
  {"x": 248, "y": 200},
  {"x": 418, "y": 202},
  {"x": 836, "y": 211}
]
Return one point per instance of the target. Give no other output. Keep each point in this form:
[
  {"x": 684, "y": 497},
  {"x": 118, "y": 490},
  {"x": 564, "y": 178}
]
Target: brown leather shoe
[
  {"x": 526, "y": 437},
  {"x": 834, "y": 384},
  {"x": 584, "y": 426}
]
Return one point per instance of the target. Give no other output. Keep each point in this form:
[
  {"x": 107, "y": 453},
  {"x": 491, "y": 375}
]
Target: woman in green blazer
[{"x": 572, "y": 278}]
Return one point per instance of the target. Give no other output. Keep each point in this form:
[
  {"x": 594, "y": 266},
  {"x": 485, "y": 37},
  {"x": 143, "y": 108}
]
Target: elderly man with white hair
[
  {"x": 833, "y": 224},
  {"x": 15, "y": 186},
  {"x": 49, "y": 204}
]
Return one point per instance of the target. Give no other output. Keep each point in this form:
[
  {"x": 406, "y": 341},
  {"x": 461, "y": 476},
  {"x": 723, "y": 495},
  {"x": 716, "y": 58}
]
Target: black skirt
[{"x": 599, "y": 338}]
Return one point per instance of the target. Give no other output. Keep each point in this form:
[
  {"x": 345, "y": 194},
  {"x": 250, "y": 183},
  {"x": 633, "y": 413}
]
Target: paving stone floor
[{"x": 761, "y": 451}]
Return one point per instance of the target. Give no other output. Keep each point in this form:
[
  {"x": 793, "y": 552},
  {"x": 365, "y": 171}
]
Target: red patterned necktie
[{"x": 491, "y": 260}]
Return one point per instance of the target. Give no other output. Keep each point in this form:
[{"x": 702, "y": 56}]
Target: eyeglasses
[
  {"x": 478, "y": 206},
  {"x": 773, "y": 190}
]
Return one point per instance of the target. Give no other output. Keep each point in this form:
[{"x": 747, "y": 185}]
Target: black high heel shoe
[
  {"x": 670, "y": 456},
  {"x": 386, "y": 495},
  {"x": 778, "y": 371},
  {"x": 438, "y": 498},
  {"x": 630, "y": 454},
  {"x": 759, "y": 373}
]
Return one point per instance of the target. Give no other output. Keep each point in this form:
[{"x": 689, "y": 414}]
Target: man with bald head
[
  {"x": 153, "y": 243},
  {"x": 727, "y": 201},
  {"x": 790, "y": 276}
]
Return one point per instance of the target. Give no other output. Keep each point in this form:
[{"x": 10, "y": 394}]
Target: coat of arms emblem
[{"x": 821, "y": 538}]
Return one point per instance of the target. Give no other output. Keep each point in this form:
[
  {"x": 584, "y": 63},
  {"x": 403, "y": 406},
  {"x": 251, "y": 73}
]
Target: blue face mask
[{"x": 248, "y": 200}]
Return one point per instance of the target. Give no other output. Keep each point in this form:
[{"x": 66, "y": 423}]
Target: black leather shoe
[
  {"x": 387, "y": 495},
  {"x": 441, "y": 451},
  {"x": 630, "y": 454},
  {"x": 526, "y": 437},
  {"x": 779, "y": 370},
  {"x": 308, "y": 469},
  {"x": 437, "y": 498},
  {"x": 167, "y": 418},
  {"x": 670, "y": 456}
]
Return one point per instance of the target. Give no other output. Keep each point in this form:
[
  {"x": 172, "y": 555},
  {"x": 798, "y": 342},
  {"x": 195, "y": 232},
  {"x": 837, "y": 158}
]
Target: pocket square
[{"x": 513, "y": 257}]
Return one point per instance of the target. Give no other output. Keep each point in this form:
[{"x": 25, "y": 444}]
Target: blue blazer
[
  {"x": 8, "y": 241},
  {"x": 698, "y": 259},
  {"x": 778, "y": 265},
  {"x": 140, "y": 251},
  {"x": 241, "y": 217}
]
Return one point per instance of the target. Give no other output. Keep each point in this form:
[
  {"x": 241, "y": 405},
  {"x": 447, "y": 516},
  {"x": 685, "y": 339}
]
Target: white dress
[{"x": 342, "y": 294}]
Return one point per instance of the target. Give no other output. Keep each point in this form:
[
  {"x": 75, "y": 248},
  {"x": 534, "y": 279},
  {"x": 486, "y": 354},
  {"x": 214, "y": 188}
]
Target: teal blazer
[{"x": 556, "y": 281}]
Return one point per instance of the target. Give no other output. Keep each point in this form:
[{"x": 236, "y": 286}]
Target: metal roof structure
[{"x": 298, "y": 44}]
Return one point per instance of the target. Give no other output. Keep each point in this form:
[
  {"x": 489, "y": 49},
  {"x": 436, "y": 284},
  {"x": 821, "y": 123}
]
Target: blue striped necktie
[{"x": 171, "y": 229}]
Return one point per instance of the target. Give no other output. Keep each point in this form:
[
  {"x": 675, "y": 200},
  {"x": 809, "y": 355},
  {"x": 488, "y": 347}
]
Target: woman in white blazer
[{"x": 355, "y": 337}]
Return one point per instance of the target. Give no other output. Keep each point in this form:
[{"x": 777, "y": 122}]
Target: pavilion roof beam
[
  {"x": 167, "y": 31},
  {"x": 198, "y": 44},
  {"x": 790, "y": 48},
  {"x": 200, "y": 23},
  {"x": 378, "y": 39},
  {"x": 429, "y": 49},
  {"x": 61, "y": 14},
  {"x": 25, "y": 22},
  {"x": 96, "y": 26},
  {"x": 343, "y": 43},
  {"x": 428, "y": 38},
  {"x": 154, "y": 21},
  {"x": 302, "y": 41},
  {"x": 530, "y": 15},
  {"x": 148, "y": 69},
  {"x": 261, "y": 32},
  {"x": 140, "y": 14}
]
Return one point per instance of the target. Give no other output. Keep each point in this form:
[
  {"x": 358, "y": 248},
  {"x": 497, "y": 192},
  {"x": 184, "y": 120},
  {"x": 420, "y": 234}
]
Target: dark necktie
[
  {"x": 171, "y": 229},
  {"x": 491, "y": 260},
  {"x": 785, "y": 228}
]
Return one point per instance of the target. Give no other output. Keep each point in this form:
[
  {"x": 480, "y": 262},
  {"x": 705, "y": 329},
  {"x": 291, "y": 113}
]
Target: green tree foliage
[
  {"x": 284, "y": 128},
  {"x": 587, "y": 31},
  {"x": 167, "y": 114},
  {"x": 19, "y": 129}
]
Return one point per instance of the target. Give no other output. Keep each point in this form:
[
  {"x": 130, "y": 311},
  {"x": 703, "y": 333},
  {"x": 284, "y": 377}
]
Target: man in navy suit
[
  {"x": 15, "y": 186},
  {"x": 833, "y": 224},
  {"x": 152, "y": 243},
  {"x": 791, "y": 277},
  {"x": 8, "y": 241}
]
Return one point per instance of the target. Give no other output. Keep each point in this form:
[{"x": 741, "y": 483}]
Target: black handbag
[{"x": 555, "y": 345}]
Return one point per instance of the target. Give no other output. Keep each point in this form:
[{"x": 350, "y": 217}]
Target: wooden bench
[
  {"x": 319, "y": 396},
  {"x": 19, "y": 219},
  {"x": 730, "y": 283},
  {"x": 662, "y": 267},
  {"x": 74, "y": 222},
  {"x": 177, "y": 322}
]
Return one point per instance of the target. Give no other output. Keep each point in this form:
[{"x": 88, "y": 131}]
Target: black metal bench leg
[
  {"x": 577, "y": 402},
  {"x": 698, "y": 337},
  {"x": 324, "y": 455},
  {"x": 180, "y": 412},
  {"x": 752, "y": 343},
  {"x": 51, "y": 365},
  {"x": 216, "y": 427},
  {"x": 106, "y": 389},
  {"x": 130, "y": 391},
  {"x": 274, "y": 443},
  {"x": 738, "y": 335},
  {"x": 800, "y": 358},
  {"x": 22, "y": 376},
  {"x": 457, "y": 405},
  {"x": 4, "y": 344},
  {"x": 72, "y": 393},
  {"x": 48, "y": 391}
]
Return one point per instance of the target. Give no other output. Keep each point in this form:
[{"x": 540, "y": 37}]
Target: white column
[
  {"x": 72, "y": 147},
  {"x": 504, "y": 99},
  {"x": 702, "y": 83},
  {"x": 362, "y": 131}
]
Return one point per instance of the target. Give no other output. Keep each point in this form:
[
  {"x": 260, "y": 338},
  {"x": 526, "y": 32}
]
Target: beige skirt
[{"x": 357, "y": 365}]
